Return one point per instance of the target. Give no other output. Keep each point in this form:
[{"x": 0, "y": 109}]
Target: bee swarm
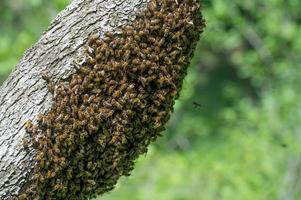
[{"x": 104, "y": 116}]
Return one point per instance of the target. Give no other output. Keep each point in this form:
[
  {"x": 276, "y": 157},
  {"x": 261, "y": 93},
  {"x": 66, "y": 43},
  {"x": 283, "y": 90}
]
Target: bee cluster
[{"x": 104, "y": 116}]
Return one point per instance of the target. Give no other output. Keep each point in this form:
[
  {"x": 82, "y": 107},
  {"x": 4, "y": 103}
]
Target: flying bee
[{"x": 196, "y": 104}]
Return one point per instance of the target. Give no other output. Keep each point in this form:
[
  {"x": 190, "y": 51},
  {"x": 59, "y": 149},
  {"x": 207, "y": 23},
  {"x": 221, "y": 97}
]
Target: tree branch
[{"x": 24, "y": 94}]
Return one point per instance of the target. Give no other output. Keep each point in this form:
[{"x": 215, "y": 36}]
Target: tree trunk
[{"x": 24, "y": 95}]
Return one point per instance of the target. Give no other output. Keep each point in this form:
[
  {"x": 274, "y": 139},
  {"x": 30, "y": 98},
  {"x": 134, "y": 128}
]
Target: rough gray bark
[{"x": 24, "y": 95}]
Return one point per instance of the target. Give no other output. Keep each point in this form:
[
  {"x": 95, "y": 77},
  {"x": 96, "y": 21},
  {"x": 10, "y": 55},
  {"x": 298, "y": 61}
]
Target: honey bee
[
  {"x": 84, "y": 70},
  {"x": 167, "y": 61},
  {"x": 109, "y": 34},
  {"x": 158, "y": 14},
  {"x": 147, "y": 13},
  {"x": 92, "y": 39},
  {"x": 160, "y": 97},
  {"x": 40, "y": 156},
  {"x": 114, "y": 139},
  {"x": 118, "y": 53},
  {"x": 143, "y": 45},
  {"x": 28, "y": 124},
  {"x": 91, "y": 98},
  {"x": 182, "y": 60},
  {"x": 56, "y": 149},
  {"x": 136, "y": 101},
  {"x": 25, "y": 142},
  {"x": 155, "y": 21},
  {"x": 117, "y": 94},
  {"x": 142, "y": 33},
  {"x": 92, "y": 127},
  {"x": 46, "y": 77},
  {"x": 110, "y": 113},
  {"x": 107, "y": 40},
  {"x": 118, "y": 105},
  {"x": 152, "y": 39},
  {"x": 22, "y": 197},
  {"x": 51, "y": 88},
  {"x": 155, "y": 58},
  {"x": 58, "y": 186},
  {"x": 152, "y": 6},
  {"x": 137, "y": 37},
  {"x": 136, "y": 61},
  {"x": 62, "y": 161},
  {"x": 127, "y": 54}
]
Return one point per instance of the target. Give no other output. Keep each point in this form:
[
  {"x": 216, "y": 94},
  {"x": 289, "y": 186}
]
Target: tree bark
[{"x": 24, "y": 94}]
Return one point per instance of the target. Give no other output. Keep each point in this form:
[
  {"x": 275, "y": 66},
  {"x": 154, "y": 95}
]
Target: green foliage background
[{"x": 243, "y": 142}]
